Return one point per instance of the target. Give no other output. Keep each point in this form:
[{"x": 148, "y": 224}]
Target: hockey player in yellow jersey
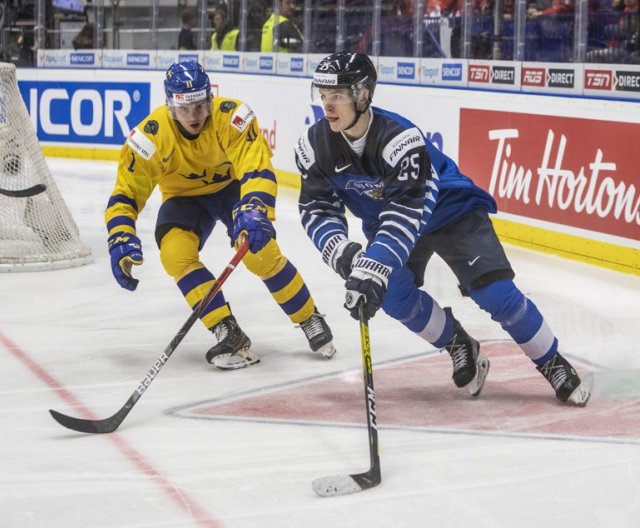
[{"x": 211, "y": 163}]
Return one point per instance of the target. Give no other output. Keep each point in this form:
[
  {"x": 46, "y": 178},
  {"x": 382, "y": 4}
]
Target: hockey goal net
[{"x": 37, "y": 231}]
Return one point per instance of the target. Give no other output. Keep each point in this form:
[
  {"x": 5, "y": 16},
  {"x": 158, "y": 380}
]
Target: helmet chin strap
[{"x": 358, "y": 113}]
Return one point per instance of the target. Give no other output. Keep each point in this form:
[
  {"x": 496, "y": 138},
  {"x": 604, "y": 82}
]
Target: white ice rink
[{"x": 206, "y": 448}]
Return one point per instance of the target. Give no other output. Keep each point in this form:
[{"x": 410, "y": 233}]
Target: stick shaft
[{"x": 108, "y": 425}]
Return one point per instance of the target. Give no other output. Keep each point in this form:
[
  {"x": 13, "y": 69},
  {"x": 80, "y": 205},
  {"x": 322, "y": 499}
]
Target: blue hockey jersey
[{"x": 401, "y": 187}]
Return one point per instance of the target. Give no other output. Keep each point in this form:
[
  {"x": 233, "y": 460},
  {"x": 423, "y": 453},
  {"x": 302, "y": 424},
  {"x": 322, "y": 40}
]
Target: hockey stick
[
  {"x": 108, "y": 425},
  {"x": 344, "y": 484},
  {"x": 24, "y": 193}
]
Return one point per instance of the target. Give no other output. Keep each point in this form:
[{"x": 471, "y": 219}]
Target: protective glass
[
  {"x": 201, "y": 109},
  {"x": 333, "y": 96}
]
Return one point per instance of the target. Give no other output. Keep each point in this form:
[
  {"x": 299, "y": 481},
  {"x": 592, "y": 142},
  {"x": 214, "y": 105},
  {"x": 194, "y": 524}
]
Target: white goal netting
[{"x": 37, "y": 231}]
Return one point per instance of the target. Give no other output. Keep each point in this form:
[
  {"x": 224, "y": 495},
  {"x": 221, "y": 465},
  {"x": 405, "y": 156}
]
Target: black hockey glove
[
  {"x": 340, "y": 253},
  {"x": 367, "y": 281}
]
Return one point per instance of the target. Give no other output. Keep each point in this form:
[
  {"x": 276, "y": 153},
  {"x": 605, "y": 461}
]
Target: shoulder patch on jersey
[
  {"x": 403, "y": 142},
  {"x": 151, "y": 127},
  {"x": 242, "y": 117},
  {"x": 227, "y": 106},
  {"x": 141, "y": 144},
  {"x": 305, "y": 152}
]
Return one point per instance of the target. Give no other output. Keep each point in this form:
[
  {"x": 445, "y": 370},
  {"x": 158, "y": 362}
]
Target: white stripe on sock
[
  {"x": 435, "y": 326},
  {"x": 540, "y": 343}
]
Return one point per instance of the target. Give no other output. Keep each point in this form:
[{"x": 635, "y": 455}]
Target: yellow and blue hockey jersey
[{"x": 229, "y": 147}]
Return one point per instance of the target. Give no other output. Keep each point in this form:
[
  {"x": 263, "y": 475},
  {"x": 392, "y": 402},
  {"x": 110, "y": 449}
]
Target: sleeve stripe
[
  {"x": 122, "y": 199},
  {"x": 411, "y": 235},
  {"x": 395, "y": 239},
  {"x": 415, "y": 222},
  {"x": 266, "y": 198},
  {"x": 120, "y": 220},
  {"x": 263, "y": 175}
]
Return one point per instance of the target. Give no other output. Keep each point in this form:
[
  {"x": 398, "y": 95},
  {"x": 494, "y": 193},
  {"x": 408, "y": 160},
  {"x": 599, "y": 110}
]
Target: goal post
[{"x": 37, "y": 231}]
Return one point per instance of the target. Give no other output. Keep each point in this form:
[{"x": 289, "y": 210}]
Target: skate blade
[
  {"x": 241, "y": 359},
  {"x": 234, "y": 365},
  {"x": 482, "y": 370},
  {"x": 580, "y": 396},
  {"x": 327, "y": 350}
]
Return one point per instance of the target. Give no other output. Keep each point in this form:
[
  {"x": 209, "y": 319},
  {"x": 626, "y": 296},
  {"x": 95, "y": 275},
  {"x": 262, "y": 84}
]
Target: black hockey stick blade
[
  {"x": 108, "y": 425},
  {"x": 24, "y": 193},
  {"x": 346, "y": 484}
]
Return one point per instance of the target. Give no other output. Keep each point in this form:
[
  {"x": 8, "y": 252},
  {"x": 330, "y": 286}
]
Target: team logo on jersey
[
  {"x": 151, "y": 127},
  {"x": 242, "y": 117},
  {"x": 372, "y": 189},
  {"x": 304, "y": 152},
  {"x": 209, "y": 180},
  {"x": 227, "y": 106},
  {"x": 141, "y": 144}
]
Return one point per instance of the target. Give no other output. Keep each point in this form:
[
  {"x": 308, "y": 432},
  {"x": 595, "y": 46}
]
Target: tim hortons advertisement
[{"x": 577, "y": 172}]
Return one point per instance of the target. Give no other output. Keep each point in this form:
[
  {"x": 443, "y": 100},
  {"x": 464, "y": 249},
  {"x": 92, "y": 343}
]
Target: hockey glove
[
  {"x": 368, "y": 281},
  {"x": 251, "y": 217},
  {"x": 125, "y": 250},
  {"x": 340, "y": 253}
]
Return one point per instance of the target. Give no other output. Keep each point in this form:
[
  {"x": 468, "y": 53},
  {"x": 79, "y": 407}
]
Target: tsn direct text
[{"x": 81, "y": 112}]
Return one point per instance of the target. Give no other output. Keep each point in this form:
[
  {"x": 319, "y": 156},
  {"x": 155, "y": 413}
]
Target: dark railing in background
[{"x": 595, "y": 31}]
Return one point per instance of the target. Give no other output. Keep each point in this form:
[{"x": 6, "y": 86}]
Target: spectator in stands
[
  {"x": 397, "y": 30},
  {"x": 290, "y": 38},
  {"x": 536, "y": 7},
  {"x": 481, "y": 28},
  {"x": 26, "y": 49},
  {"x": 623, "y": 37},
  {"x": 84, "y": 39},
  {"x": 225, "y": 36},
  {"x": 396, "y": 37},
  {"x": 557, "y": 7},
  {"x": 186, "y": 38},
  {"x": 256, "y": 15}
]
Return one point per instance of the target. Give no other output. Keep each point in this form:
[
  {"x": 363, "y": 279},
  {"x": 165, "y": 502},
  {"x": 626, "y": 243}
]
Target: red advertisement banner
[{"x": 581, "y": 173}]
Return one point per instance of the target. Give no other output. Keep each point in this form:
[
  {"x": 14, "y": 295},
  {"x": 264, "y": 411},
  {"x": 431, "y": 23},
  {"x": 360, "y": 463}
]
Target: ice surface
[{"x": 240, "y": 449}]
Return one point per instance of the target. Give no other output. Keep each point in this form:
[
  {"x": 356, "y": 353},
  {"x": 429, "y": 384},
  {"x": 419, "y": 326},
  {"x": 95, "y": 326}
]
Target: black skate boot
[
  {"x": 233, "y": 350},
  {"x": 470, "y": 368},
  {"x": 565, "y": 380},
  {"x": 319, "y": 335}
]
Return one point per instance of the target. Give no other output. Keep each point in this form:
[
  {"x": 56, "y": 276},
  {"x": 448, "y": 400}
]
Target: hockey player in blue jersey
[{"x": 413, "y": 202}]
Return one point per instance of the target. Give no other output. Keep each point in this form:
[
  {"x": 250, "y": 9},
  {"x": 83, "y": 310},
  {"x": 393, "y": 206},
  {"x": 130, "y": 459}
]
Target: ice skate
[
  {"x": 233, "y": 350},
  {"x": 319, "y": 335},
  {"x": 470, "y": 368},
  {"x": 565, "y": 381}
]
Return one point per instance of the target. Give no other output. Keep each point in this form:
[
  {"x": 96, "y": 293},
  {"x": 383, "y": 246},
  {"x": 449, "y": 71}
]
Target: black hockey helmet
[{"x": 354, "y": 71}]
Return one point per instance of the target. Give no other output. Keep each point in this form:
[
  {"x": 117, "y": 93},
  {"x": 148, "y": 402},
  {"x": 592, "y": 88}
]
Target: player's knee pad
[
  {"x": 179, "y": 252},
  {"x": 267, "y": 262},
  {"x": 403, "y": 299},
  {"x": 502, "y": 300}
]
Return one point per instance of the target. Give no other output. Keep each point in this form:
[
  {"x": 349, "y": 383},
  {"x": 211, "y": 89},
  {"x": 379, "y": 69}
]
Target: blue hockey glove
[
  {"x": 368, "y": 281},
  {"x": 125, "y": 250},
  {"x": 340, "y": 253},
  {"x": 251, "y": 218}
]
